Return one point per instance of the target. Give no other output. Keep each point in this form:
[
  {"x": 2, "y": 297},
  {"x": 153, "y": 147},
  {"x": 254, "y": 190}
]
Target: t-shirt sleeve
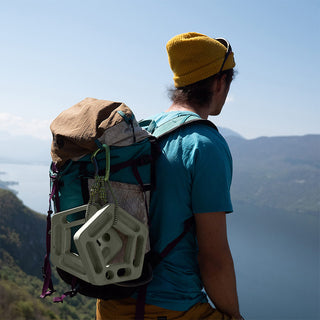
[{"x": 211, "y": 175}]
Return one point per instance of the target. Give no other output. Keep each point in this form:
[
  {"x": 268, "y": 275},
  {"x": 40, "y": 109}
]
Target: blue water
[
  {"x": 276, "y": 253},
  {"x": 277, "y": 259},
  {"x": 33, "y": 188}
]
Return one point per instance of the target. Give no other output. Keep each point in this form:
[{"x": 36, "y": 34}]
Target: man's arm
[{"x": 216, "y": 263}]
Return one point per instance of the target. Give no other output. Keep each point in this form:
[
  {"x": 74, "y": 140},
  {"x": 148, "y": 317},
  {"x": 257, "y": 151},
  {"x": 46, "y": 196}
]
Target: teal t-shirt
[{"x": 193, "y": 176}]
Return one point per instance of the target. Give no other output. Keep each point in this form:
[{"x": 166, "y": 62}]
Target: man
[{"x": 193, "y": 180}]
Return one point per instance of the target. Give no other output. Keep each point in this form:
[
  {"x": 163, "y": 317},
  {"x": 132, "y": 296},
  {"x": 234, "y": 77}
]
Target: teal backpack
[{"x": 97, "y": 237}]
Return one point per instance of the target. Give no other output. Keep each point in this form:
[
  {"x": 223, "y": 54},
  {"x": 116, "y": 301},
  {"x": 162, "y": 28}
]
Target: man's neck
[{"x": 202, "y": 112}]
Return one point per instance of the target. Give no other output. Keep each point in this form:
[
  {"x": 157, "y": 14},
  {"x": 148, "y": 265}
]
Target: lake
[
  {"x": 276, "y": 253},
  {"x": 277, "y": 260},
  {"x": 33, "y": 188}
]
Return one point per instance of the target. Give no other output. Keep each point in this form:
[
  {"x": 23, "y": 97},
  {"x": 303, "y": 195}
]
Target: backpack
[{"x": 101, "y": 177}]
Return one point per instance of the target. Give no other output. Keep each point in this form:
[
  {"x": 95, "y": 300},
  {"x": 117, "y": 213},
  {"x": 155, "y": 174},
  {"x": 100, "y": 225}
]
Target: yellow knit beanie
[{"x": 194, "y": 57}]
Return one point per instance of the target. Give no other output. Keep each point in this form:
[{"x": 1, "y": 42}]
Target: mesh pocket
[{"x": 131, "y": 198}]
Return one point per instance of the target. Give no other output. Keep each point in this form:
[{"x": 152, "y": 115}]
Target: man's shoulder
[
  {"x": 205, "y": 142},
  {"x": 204, "y": 131}
]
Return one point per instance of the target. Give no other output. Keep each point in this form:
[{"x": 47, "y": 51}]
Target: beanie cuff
[{"x": 204, "y": 72}]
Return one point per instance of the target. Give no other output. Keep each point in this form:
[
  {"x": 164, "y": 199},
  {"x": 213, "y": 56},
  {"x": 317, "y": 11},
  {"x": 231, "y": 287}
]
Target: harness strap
[
  {"x": 156, "y": 258},
  {"x": 172, "y": 244},
  {"x": 84, "y": 182},
  {"x": 55, "y": 187},
  {"x": 47, "y": 288},
  {"x": 143, "y": 187},
  {"x": 141, "y": 301},
  {"x": 141, "y": 161}
]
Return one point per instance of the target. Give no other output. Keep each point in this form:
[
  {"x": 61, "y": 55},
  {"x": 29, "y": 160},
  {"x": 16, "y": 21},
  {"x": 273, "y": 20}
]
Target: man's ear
[{"x": 219, "y": 85}]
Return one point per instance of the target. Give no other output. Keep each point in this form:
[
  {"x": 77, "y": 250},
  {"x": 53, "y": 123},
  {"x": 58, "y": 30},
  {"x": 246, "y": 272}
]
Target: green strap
[
  {"x": 98, "y": 189},
  {"x": 107, "y": 149},
  {"x": 173, "y": 123}
]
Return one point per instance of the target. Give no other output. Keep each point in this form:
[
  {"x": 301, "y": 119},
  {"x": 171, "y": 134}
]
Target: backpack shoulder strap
[
  {"x": 173, "y": 124},
  {"x": 154, "y": 258}
]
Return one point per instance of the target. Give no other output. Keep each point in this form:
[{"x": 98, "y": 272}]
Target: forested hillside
[
  {"x": 21, "y": 233},
  {"x": 277, "y": 172},
  {"x": 22, "y": 249}
]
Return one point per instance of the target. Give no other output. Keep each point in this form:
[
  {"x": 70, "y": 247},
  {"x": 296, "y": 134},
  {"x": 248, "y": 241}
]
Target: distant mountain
[
  {"x": 228, "y": 132},
  {"x": 279, "y": 172},
  {"x": 27, "y": 149},
  {"x": 23, "y": 149}
]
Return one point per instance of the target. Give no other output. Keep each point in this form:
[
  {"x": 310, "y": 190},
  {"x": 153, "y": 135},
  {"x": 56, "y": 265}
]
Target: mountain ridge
[
  {"x": 280, "y": 172},
  {"x": 28, "y": 149}
]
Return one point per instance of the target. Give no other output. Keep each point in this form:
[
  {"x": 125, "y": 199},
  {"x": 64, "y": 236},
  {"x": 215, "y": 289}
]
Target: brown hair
[{"x": 199, "y": 93}]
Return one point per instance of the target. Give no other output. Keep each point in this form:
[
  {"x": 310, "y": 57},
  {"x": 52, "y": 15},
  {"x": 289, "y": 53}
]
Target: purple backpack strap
[
  {"x": 187, "y": 226},
  {"x": 47, "y": 288},
  {"x": 141, "y": 301},
  {"x": 71, "y": 293}
]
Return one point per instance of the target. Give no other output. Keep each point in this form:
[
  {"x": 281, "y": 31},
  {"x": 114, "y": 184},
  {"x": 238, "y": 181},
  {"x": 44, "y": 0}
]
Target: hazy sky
[{"x": 55, "y": 53}]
